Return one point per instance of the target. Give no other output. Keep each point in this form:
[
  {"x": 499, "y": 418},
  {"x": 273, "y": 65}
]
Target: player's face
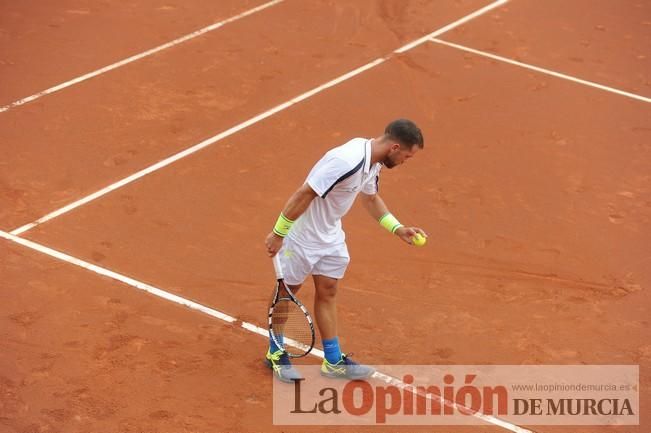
[{"x": 398, "y": 155}]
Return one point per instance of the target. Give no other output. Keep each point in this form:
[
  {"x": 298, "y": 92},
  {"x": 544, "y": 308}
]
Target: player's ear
[{"x": 395, "y": 146}]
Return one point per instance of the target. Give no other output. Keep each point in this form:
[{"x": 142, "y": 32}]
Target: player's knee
[{"x": 327, "y": 291}]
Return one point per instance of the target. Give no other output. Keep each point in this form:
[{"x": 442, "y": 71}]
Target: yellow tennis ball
[{"x": 418, "y": 240}]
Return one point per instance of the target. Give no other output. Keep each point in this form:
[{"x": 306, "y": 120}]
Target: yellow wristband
[
  {"x": 389, "y": 222},
  {"x": 283, "y": 225}
]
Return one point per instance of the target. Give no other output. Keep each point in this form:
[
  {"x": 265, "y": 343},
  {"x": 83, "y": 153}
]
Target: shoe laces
[{"x": 281, "y": 357}]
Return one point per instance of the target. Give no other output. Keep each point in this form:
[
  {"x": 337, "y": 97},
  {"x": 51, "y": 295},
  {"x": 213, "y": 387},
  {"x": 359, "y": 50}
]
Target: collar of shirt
[{"x": 367, "y": 156}]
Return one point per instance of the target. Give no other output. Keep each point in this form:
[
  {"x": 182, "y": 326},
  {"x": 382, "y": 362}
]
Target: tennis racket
[{"x": 290, "y": 324}]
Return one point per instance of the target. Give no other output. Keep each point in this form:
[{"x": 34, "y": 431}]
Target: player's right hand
[{"x": 273, "y": 242}]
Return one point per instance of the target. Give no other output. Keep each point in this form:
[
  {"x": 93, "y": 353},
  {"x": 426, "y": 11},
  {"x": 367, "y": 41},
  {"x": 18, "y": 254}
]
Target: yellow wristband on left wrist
[{"x": 389, "y": 222}]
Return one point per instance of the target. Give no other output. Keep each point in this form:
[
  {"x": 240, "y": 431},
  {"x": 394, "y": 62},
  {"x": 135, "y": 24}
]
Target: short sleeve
[{"x": 329, "y": 171}]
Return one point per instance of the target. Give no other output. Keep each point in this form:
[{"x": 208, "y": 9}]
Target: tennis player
[{"x": 309, "y": 236}]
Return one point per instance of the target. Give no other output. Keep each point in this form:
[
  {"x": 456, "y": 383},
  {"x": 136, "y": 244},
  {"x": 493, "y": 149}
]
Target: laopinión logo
[
  {"x": 453, "y": 395},
  {"x": 360, "y": 397}
]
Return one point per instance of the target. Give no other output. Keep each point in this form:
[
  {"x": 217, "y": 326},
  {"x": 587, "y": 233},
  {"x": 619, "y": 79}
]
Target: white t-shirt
[{"x": 337, "y": 178}]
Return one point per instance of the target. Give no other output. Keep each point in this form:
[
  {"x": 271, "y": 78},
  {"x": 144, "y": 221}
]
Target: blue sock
[
  {"x": 332, "y": 350},
  {"x": 273, "y": 347}
]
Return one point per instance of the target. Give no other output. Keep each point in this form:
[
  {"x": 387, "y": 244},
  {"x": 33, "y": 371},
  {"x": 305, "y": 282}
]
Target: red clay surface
[
  {"x": 535, "y": 192},
  {"x": 116, "y": 124},
  {"x": 607, "y": 43},
  {"x": 111, "y": 359},
  {"x": 43, "y": 44}
]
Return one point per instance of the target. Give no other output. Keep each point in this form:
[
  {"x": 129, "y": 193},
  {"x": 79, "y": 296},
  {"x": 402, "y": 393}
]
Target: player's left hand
[{"x": 406, "y": 233}]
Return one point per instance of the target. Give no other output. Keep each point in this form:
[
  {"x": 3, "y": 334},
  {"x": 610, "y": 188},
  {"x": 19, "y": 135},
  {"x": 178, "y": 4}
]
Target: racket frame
[{"x": 280, "y": 282}]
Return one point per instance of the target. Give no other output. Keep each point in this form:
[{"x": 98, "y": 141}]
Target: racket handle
[{"x": 278, "y": 267}]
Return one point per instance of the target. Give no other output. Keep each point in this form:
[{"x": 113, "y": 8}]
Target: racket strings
[{"x": 291, "y": 327}]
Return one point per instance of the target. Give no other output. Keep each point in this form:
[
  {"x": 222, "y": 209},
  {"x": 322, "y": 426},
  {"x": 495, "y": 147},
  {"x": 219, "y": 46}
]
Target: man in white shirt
[{"x": 310, "y": 239}]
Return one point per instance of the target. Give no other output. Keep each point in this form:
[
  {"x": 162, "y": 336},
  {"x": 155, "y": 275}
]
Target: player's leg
[
  {"x": 326, "y": 274},
  {"x": 325, "y": 314},
  {"x": 297, "y": 266},
  {"x": 279, "y": 324}
]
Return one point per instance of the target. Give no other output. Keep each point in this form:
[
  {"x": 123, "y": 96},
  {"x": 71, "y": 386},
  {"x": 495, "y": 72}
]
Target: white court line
[
  {"x": 189, "y": 151},
  {"x": 138, "y": 56},
  {"x": 542, "y": 70},
  {"x": 114, "y": 275},
  {"x": 451, "y": 26},
  {"x": 247, "y": 123},
  {"x": 221, "y": 316},
  {"x": 265, "y": 333}
]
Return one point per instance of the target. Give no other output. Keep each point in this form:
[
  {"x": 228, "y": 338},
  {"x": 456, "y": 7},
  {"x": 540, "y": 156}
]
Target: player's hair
[{"x": 405, "y": 132}]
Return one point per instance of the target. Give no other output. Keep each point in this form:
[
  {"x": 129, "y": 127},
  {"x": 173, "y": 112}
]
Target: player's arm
[
  {"x": 376, "y": 207},
  {"x": 299, "y": 202},
  {"x": 296, "y": 205}
]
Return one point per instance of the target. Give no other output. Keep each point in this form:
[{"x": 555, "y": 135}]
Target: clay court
[{"x": 534, "y": 187}]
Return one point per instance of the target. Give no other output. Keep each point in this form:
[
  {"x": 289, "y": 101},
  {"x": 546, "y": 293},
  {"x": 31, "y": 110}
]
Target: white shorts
[{"x": 298, "y": 261}]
